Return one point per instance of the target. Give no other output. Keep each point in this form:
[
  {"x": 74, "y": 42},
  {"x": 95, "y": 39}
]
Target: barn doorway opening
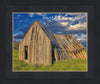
[
  {"x": 26, "y": 52},
  {"x": 53, "y": 55}
]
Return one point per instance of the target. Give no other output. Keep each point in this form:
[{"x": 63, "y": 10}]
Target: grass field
[{"x": 64, "y": 65}]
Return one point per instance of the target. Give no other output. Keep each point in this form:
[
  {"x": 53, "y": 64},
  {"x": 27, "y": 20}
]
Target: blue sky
[{"x": 59, "y": 23}]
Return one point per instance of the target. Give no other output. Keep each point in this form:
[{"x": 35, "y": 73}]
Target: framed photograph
[{"x": 49, "y": 42}]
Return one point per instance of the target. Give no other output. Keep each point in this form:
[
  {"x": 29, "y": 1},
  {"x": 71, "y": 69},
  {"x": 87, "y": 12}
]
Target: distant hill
[{"x": 16, "y": 44}]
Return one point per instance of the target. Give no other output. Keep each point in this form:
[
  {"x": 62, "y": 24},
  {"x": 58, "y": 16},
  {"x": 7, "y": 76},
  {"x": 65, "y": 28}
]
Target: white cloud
[
  {"x": 47, "y": 18},
  {"x": 79, "y": 26},
  {"x": 64, "y": 23},
  {"x": 21, "y": 21},
  {"x": 66, "y": 14},
  {"x": 44, "y": 23},
  {"x": 50, "y": 20},
  {"x": 59, "y": 32},
  {"x": 60, "y": 18},
  {"x": 81, "y": 38},
  {"x": 41, "y": 14},
  {"x": 80, "y": 16},
  {"x": 19, "y": 15},
  {"x": 31, "y": 14},
  {"x": 17, "y": 34}
]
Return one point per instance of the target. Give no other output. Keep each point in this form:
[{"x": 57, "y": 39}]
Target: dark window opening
[
  {"x": 26, "y": 52},
  {"x": 53, "y": 55}
]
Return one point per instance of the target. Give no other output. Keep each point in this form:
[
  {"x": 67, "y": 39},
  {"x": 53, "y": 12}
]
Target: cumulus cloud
[
  {"x": 76, "y": 17},
  {"x": 61, "y": 18},
  {"x": 20, "y": 21},
  {"x": 18, "y": 36},
  {"x": 64, "y": 23},
  {"x": 81, "y": 37},
  {"x": 31, "y": 14},
  {"x": 41, "y": 14},
  {"x": 80, "y": 16},
  {"x": 76, "y": 22},
  {"x": 19, "y": 15},
  {"x": 46, "y": 18},
  {"x": 79, "y": 26},
  {"x": 59, "y": 32}
]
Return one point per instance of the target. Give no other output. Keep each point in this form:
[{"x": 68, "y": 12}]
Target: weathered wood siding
[{"x": 39, "y": 46}]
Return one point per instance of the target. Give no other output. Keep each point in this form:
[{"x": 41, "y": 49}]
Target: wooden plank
[
  {"x": 68, "y": 43},
  {"x": 79, "y": 45},
  {"x": 74, "y": 48},
  {"x": 56, "y": 54},
  {"x": 64, "y": 49}
]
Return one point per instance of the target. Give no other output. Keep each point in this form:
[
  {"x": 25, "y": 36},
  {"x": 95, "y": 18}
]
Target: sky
[{"x": 59, "y": 23}]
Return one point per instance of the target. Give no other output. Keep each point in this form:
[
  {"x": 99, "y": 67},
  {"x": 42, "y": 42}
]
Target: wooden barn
[{"x": 40, "y": 46}]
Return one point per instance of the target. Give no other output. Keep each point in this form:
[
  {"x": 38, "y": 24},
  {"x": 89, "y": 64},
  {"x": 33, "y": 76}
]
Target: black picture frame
[{"x": 90, "y": 77}]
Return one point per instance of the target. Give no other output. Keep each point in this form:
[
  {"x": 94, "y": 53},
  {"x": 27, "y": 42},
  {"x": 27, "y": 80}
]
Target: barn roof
[{"x": 49, "y": 34}]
